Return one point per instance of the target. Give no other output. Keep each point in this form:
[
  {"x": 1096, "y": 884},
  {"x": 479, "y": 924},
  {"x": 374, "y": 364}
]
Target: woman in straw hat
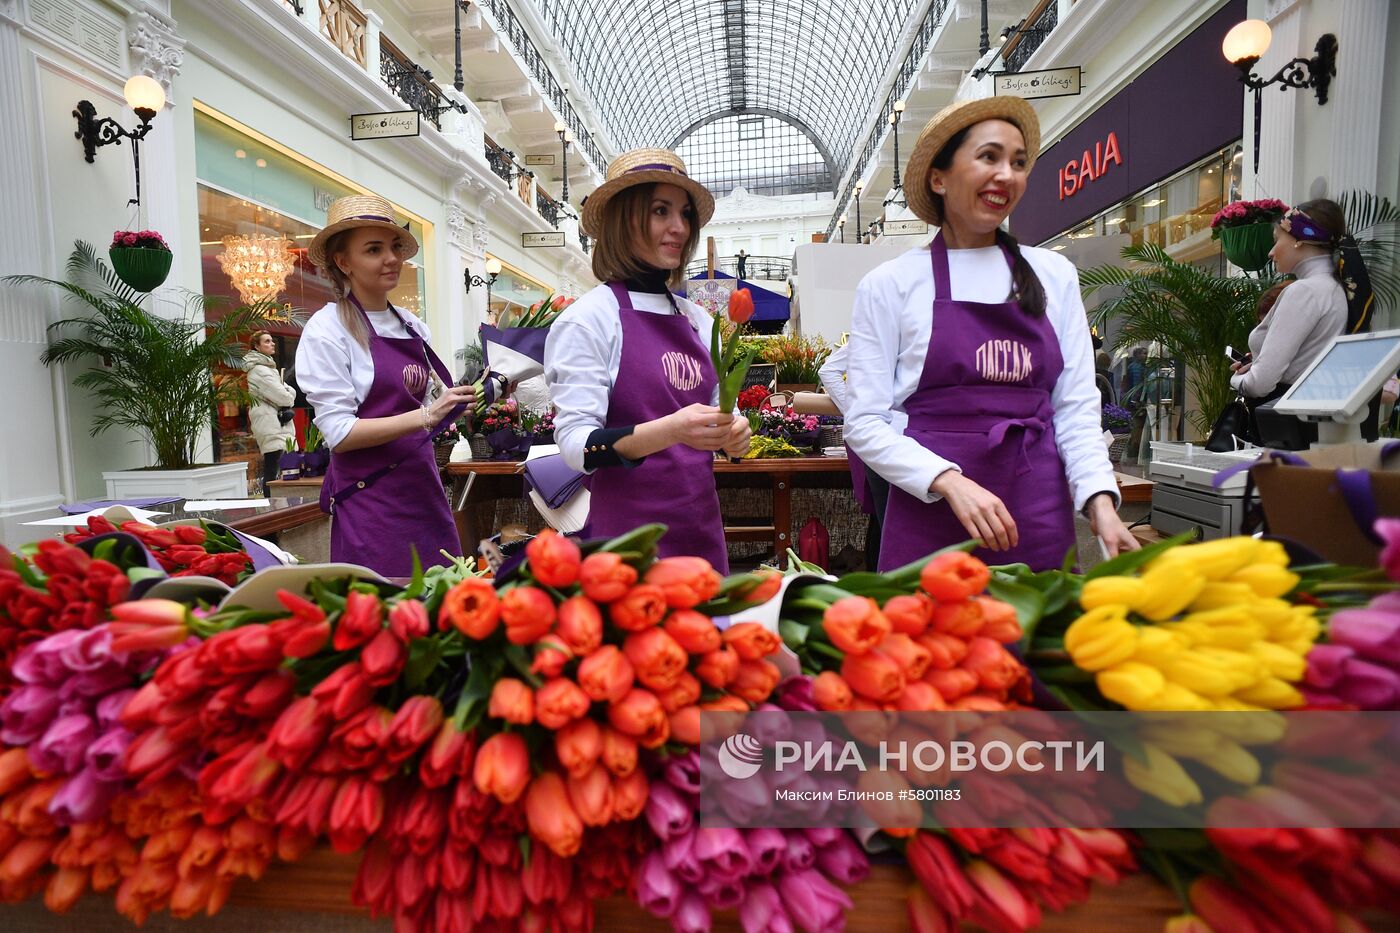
[
  {"x": 629, "y": 368},
  {"x": 367, "y": 369},
  {"x": 983, "y": 344}
]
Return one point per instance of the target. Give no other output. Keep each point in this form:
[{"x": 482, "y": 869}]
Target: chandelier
[{"x": 258, "y": 265}]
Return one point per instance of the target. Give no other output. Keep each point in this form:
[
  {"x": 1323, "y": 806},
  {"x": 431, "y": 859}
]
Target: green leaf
[
  {"x": 424, "y": 655},
  {"x": 794, "y": 634},
  {"x": 417, "y": 585},
  {"x": 1129, "y": 561}
]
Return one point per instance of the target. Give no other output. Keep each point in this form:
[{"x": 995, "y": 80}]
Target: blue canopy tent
[{"x": 771, "y": 310}]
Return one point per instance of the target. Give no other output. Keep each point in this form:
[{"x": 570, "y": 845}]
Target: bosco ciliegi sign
[
  {"x": 552, "y": 238},
  {"x": 1032, "y": 85},
  {"x": 384, "y": 125}
]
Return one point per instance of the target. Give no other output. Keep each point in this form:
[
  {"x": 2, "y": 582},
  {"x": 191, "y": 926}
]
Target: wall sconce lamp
[
  {"x": 859, "y": 186},
  {"x": 566, "y": 136},
  {"x": 841, "y": 226},
  {"x": 1247, "y": 42},
  {"x": 145, "y": 96},
  {"x": 493, "y": 269}
]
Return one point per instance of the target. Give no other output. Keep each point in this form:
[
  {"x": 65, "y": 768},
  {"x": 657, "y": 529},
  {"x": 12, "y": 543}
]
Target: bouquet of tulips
[
  {"x": 732, "y": 356},
  {"x": 514, "y": 350}
]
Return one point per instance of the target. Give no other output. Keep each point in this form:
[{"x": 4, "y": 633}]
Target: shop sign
[
  {"x": 550, "y": 238},
  {"x": 904, "y": 228},
  {"x": 322, "y": 198},
  {"x": 388, "y": 125},
  {"x": 1038, "y": 85},
  {"x": 1090, "y": 166},
  {"x": 539, "y": 159}
]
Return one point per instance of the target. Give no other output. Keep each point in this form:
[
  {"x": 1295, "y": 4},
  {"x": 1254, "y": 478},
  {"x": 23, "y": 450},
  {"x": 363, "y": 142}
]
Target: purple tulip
[
  {"x": 105, "y": 755},
  {"x": 796, "y": 694},
  {"x": 42, "y": 661},
  {"x": 668, "y": 813},
  {"x": 823, "y": 836},
  {"x": 722, "y": 851},
  {"x": 744, "y": 802},
  {"x": 766, "y": 848},
  {"x": 1327, "y": 665},
  {"x": 844, "y": 861},
  {"x": 26, "y": 713},
  {"x": 89, "y": 685},
  {"x": 1373, "y": 633},
  {"x": 83, "y": 798},
  {"x": 678, "y": 852},
  {"x": 683, "y": 773},
  {"x": 657, "y": 889},
  {"x": 762, "y": 911},
  {"x": 722, "y": 893},
  {"x": 88, "y": 652},
  {"x": 691, "y": 916},
  {"x": 109, "y": 708},
  {"x": 800, "y": 855},
  {"x": 1369, "y": 686},
  {"x": 1389, "y": 530},
  {"x": 813, "y": 903},
  {"x": 63, "y": 745}
]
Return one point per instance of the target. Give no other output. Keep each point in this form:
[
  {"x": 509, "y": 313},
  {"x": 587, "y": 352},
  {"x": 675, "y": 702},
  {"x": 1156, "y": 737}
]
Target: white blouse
[
  {"x": 582, "y": 356},
  {"x": 890, "y": 328},
  {"x": 336, "y": 373}
]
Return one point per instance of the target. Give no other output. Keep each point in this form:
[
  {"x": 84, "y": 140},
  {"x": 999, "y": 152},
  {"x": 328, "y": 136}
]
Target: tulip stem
[
  {"x": 1353, "y": 587},
  {"x": 827, "y": 650},
  {"x": 516, "y": 658}
]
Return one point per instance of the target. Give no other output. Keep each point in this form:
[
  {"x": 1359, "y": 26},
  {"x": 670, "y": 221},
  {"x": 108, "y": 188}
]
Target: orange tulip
[
  {"x": 528, "y": 613},
  {"x": 64, "y": 889},
  {"x": 999, "y": 620},
  {"x": 725, "y": 704},
  {"x": 639, "y": 714},
  {"x": 953, "y": 576},
  {"x": 685, "y": 725},
  {"x": 502, "y": 767},
  {"x": 952, "y": 684},
  {"x": 855, "y": 624},
  {"x": 685, "y": 691},
  {"x": 831, "y": 692},
  {"x": 693, "y": 631},
  {"x": 913, "y": 658},
  {"x": 472, "y": 608},
  {"x": 873, "y": 675},
  {"x": 554, "y": 559},
  {"x": 551, "y": 816},
  {"x": 918, "y": 697},
  {"x": 559, "y": 702},
  {"x": 551, "y": 656},
  {"x": 755, "y": 680},
  {"x": 962, "y": 619},
  {"x": 909, "y": 614},
  {"x": 740, "y": 305},
  {"x": 656, "y": 658},
  {"x": 606, "y": 674},
  {"x": 578, "y": 745},
  {"x": 592, "y": 796},
  {"x": 766, "y": 589},
  {"x": 686, "y": 581},
  {"x": 642, "y": 606},
  {"x": 630, "y": 795},
  {"x": 751, "y": 641},
  {"x": 996, "y": 668},
  {"x": 619, "y": 752},
  {"x": 14, "y": 769},
  {"x": 717, "y": 668},
  {"x": 513, "y": 701},
  {"x": 580, "y": 625},
  {"x": 945, "y": 651},
  {"x": 604, "y": 577}
]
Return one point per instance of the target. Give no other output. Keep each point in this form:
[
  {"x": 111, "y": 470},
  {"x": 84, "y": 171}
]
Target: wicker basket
[
  {"x": 831, "y": 435},
  {"x": 1118, "y": 448},
  {"x": 442, "y": 453},
  {"x": 481, "y": 447}
]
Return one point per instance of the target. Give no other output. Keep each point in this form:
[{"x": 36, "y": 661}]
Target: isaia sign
[{"x": 1090, "y": 166}]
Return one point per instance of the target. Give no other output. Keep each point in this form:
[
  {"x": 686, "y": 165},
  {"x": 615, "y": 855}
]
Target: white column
[
  {"x": 1356, "y": 96},
  {"x": 374, "y": 25},
  {"x": 465, "y": 130},
  {"x": 35, "y": 468}
]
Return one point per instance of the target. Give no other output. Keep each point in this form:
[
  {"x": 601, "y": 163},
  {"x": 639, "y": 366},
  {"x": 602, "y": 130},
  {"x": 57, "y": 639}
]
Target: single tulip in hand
[{"x": 732, "y": 359}]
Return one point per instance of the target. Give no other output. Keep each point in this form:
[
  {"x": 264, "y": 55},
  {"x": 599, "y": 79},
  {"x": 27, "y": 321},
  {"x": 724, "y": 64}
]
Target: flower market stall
[{"x": 460, "y": 751}]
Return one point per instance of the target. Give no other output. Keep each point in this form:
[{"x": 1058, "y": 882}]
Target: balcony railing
[
  {"x": 294, "y": 6},
  {"x": 514, "y": 32},
  {"x": 502, "y": 161},
  {"x": 344, "y": 24},
  {"x": 410, "y": 83},
  {"x": 1023, "y": 43},
  {"x": 774, "y": 268},
  {"x": 547, "y": 207}
]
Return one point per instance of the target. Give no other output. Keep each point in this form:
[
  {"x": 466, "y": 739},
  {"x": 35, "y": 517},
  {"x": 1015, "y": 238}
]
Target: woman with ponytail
[{"x": 983, "y": 344}]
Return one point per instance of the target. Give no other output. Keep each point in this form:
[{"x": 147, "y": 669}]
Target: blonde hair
[
  {"x": 622, "y": 225},
  {"x": 350, "y": 317}
]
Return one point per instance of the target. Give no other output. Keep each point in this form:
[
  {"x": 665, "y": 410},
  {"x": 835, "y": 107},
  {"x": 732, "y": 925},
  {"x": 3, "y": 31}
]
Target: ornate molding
[
  {"x": 480, "y": 238},
  {"x": 9, "y": 9},
  {"x": 156, "y": 49},
  {"x": 459, "y": 229}
]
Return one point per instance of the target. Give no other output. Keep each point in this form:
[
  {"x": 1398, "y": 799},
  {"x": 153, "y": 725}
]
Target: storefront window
[{"x": 514, "y": 290}]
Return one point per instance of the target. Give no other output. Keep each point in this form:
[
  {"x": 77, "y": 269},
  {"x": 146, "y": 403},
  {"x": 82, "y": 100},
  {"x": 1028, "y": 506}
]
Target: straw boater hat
[
  {"x": 942, "y": 128},
  {"x": 358, "y": 210},
  {"x": 644, "y": 167}
]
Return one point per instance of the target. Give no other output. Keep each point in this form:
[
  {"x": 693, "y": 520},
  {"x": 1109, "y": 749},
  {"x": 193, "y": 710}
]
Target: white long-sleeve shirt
[
  {"x": 1300, "y": 325},
  {"x": 336, "y": 373},
  {"x": 891, "y": 324},
  {"x": 582, "y": 356}
]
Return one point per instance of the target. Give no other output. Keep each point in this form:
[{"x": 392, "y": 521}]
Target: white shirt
[
  {"x": 583, "y": 354},
  {"x": 890, "y": 328},
  {"x": 1300, "y": 325},
  {"x": 336, "y": 372},
  {"x": 836, "y": 382}
]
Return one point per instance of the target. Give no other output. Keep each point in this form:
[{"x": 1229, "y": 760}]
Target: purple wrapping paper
[
  {"x": 80, "y": 508},
  {"x": 261, "y": 557},
  {"x": 553, "y": 479}
]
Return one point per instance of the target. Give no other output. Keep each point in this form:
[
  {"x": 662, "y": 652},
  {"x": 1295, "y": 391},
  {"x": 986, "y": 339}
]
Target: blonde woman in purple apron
[
  {"x": 628, "y": 364},
  {"x": 380, "y": 393},
  {"x": 984, "y": 346}
]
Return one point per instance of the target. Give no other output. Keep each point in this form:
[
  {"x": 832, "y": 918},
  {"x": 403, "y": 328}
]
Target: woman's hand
[
  {"x": 983, "y": 515},
  {"x": 450, "y": 399},
  {"x": 703, "y": 427},
  {"x": 1239, "y": 368},
  {"x": 739, "y": 434},
  {"x": 1103, "y": 518}
]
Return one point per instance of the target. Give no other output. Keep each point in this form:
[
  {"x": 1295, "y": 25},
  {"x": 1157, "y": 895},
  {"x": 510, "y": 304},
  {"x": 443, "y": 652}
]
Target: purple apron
[
  {"x": 983, "y": 402},
  {"x": 858, "y": 487},
  {"x": 389, "y": 499},
  {"x": 664, "y": 368}
]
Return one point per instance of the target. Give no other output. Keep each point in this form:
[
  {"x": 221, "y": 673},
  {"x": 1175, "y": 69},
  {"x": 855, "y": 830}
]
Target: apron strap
[
  {"x": 624, "y": 301},
  {"x": 942, "y": 281}
]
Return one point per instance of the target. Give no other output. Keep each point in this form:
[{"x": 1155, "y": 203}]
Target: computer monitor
[{"x": 1337, "y": 388}]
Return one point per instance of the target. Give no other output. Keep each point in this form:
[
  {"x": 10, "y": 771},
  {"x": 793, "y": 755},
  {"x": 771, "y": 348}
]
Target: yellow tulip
[
  {"x": 1248, "y": 723},
  {"x": 1223, "y": 595},
  {"x": 1233, "y": 705},
  {"x": 1214, "y": 560},
  {"x": 1130, "y": 684},
  {"x": 1270, "y": 613},
  {"x": 1280, "y": 662},
  {"x": 1107, "y": 591},
  {"x": 1176, "y": 698},
  {"x": 1230, "y": 760},
  {"x": 1101, "y": 638},
  {"x": 1271, "y": 552},
  {"x": 1186, "y": 736},
  {"x": 1271, "y": 693},
  {"x": 1213, "y": 671},
  {"x": 1266, "y": 580},
  {"x": 1162, "y": 777},
  {"x": 1224, "y": 628},
  {"x": 1168, "y": 590},
  {"x": 1155, "y": 645}
]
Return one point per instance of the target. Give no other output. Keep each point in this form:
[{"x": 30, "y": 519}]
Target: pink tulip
[
  {"x": 800, "y": 855},
  {"x": 61, "y": 749},
  {"x": 762, "y": 911},
  {"x": 722, "y": 893},
  {"x": 104, "y": 756},
  {"x": 83, "y": 798},
  {"x": 26, "y": 713},
  {"x": 691, "y": 916},
  {"x": 1389, "y": 530},
  {"x": 814, "y": 904},
  {"x": 657, "y": 889},
  {"x": 1373, "y": 632},
  {"x": 678, "y": 853},
  {"x": 767, "y": 848},
  {"x": 668, "y": 813},
  {"x": 844, "y": 861},
  {"x": 722, "y": 851}
]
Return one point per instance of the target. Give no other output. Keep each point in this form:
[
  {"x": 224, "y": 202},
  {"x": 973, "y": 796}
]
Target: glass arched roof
[{"x": 658, "y": 69}]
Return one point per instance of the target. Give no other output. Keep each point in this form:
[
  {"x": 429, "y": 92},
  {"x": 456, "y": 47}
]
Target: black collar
[{"x": 649, "y": 280}]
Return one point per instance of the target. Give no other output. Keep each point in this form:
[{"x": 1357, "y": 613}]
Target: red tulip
[
  {"x": 472, "y": 608},
  {"x": 686, "y": 581},
  {"x": 953, "y": 576},
  {"x": 513, "y": 701},
  {"x": 718, "y": 667},
  {"x": 413, "y": 726},
  {"x": 578, "y": 745},
  {"x": 551, "y": 656},
  {"x": 592, "y": 796},
  {"x": 996, "y": 668},
  {"x": 630, "y": 795},
  {"x": 938, "y": 871},
  {"x": 554, "y": 559},
  {"x": 693, "y": 631},
  {"x": 360, "y": 620},
  {"x": 855, "y": 624},
  {"x": 606, "y": 674},
  {"x": 502, "y": 767},
  {"x": 619, "y": 752},
  {"x": 655, "y": 657},
  {"x": 740, "y": 305},
  {"x": 873, "y": 675},
  {"x": 684, "y": 692},
  {"x": 641, "y": 607},
  {"x": 449, "y": 756},
  {"x": 409, "y": 620},
  {"x": 580, "y": 625},
  {"x": 528, "y": 613},
  {"x": 552, "y": 817},
  {"x": 960, "y": 618},
  {"x": 639, "y": 714},
  {"x": 298, "y": 733},
  {"x": 382, "y": 660},
  {"x": 751, "y": 641},
  {"x": 908, "y": 614},
  {"x": 685, "y": 725},
  {"x": 604, "y": 577},
  {"x": 755, "y": 680},
  {"x": 913, "y": 658},
  {"x": 300, "y": 636},
  {"x": 559, "y": 702},
  {"x": 831, "y": 692},
  {"x": 356, "y": 813}
]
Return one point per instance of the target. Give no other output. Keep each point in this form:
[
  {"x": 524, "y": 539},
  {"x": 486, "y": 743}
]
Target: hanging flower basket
[
  {"x": 1248, "y": 246},
  {"x": 141, "y": 259}
]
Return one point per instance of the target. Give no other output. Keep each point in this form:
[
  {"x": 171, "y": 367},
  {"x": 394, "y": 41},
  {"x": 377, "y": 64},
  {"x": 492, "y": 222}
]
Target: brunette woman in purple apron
[
  {"x": 984, "y": 345},
  {"x": 629, "y": 370},
  {"x": 380, "y": 394}
]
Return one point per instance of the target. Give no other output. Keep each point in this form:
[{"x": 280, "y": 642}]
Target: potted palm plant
[{"x": 150, "y": 373}]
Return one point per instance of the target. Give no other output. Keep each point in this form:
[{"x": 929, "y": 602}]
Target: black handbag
[
  {"x": 1232, "y": 422},
  {"x": 284, "y": 415}
]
